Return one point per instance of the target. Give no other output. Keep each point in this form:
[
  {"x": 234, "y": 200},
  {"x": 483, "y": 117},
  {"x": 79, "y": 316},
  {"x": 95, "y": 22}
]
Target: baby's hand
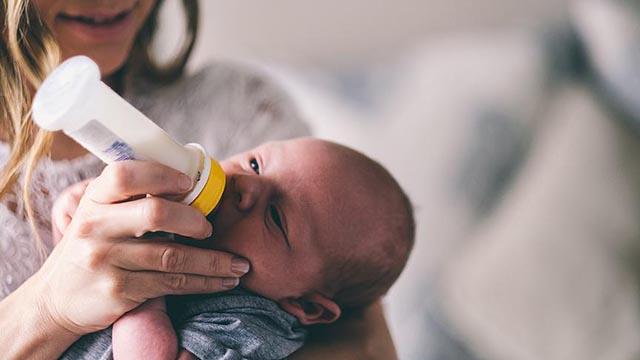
[{"x": 64, "y": 207}]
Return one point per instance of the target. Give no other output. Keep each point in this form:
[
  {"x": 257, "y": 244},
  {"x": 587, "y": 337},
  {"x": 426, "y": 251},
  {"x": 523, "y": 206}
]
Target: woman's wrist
[{"x": 27, "y": 328}]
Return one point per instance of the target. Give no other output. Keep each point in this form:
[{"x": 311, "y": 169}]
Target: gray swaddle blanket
[{"x": 231, "y": 326}]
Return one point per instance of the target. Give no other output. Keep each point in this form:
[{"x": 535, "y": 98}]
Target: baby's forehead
[
  {"x": 287, "y": 145},
  {"x": 314, "y": 157},
  {"x": 335, "y": 171}
]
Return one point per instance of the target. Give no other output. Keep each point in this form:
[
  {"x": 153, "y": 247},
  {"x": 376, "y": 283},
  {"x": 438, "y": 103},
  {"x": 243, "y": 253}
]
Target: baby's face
[{"x": 275, "y": 212}]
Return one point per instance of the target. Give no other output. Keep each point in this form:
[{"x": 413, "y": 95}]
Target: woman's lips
[{"x": 98, "y": 26}]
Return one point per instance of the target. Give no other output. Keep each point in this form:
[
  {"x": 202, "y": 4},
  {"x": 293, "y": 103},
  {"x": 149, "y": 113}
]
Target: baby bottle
[{"x": 73, "y": 99}]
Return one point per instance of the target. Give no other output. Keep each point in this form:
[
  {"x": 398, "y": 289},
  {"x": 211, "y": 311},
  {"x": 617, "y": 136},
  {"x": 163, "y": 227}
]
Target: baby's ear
[{"x": 312, "y": 309}]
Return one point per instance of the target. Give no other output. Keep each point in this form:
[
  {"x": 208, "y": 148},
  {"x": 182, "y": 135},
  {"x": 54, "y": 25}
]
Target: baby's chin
[
  {"x": 248, "y": 282},
  {"x": 252, "y": 283}
]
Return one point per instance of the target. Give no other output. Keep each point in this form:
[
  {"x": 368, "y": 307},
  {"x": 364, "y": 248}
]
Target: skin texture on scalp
[{"x": 375, "y": 231}]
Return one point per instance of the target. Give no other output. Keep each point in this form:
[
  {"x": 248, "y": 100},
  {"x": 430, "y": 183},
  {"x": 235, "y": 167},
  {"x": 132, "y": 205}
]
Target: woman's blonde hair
[{"x": 28, "y": 52}]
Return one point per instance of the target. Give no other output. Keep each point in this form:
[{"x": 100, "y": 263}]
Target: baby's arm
[{"x": 145, "y": 333}]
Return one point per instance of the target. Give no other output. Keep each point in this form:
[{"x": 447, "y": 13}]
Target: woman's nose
[{"x": 249, "y": 190}]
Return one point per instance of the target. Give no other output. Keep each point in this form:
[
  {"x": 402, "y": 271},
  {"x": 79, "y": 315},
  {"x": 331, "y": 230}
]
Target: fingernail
[
  {"x": 230, "y": 283},
  {"x": 185, "y": 182},
  {"x": 210, "y": 231},
  {"x": 239, "y": 266}
]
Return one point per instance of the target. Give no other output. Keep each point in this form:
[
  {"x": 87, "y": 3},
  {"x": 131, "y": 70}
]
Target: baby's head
[{"x": 326, "y": 229}]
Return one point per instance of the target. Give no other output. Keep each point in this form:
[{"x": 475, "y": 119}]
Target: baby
[{"x": 326, "y": 230}]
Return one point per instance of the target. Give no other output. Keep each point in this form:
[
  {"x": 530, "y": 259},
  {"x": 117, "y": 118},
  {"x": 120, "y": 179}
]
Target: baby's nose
[{"x": 247, "y": 189}]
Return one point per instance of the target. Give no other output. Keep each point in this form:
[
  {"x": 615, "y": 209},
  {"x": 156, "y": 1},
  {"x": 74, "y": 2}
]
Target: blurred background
[{"x": 511, "y": 124}]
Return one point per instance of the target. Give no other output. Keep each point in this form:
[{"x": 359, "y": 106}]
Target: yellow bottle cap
[
  {"x": 210, "y": 181},
  {"x": 213, "y": 189}
]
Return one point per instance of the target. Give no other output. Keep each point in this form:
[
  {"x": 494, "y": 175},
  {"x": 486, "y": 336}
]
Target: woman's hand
[
  {"x": 65, "y": 207},
  {"x": 102, "y": 269}
]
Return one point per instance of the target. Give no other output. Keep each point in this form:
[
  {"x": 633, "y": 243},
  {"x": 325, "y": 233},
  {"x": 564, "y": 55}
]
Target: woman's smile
[
  {"x": 98, "y": 25},
  {"x": 104, "y": 30}
]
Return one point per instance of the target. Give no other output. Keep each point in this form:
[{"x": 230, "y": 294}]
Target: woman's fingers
[
  {"x": 65, "y": 206},
  {"x": 168, "y": 257},
  {"x": 137, "y": 217},
  {"x": 122, "y": 180},
  {"x": 149, "y": 284}
]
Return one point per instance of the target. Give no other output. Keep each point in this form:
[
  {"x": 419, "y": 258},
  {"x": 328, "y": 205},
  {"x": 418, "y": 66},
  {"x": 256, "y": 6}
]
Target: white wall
[{"x": 343, "y": 32}]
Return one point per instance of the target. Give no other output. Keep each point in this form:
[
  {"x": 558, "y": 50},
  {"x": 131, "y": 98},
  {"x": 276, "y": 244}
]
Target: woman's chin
[{"x": 108, "y": 63}]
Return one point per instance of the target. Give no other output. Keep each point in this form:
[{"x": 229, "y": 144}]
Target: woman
[{"x": 85, "y": 284}]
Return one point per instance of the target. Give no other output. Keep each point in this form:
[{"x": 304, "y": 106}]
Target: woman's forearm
[{"x": 27, "y": 331}]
